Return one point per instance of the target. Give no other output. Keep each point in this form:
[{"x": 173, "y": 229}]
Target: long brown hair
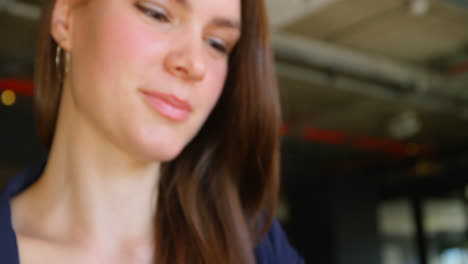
[{"x": 217, "y": 198}]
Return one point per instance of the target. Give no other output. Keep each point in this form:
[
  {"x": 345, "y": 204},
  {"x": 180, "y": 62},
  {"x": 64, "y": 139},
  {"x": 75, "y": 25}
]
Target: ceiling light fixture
[
  {"x": 405, "y": 125},
  {"x": 419, "y": 7}
]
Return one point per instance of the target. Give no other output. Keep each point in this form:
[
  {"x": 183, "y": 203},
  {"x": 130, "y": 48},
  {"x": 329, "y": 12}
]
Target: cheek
[
  {"x": 216, "y": 82},
  {"x": 128, "y": 47},
  {"x": 112, "y": 57}
]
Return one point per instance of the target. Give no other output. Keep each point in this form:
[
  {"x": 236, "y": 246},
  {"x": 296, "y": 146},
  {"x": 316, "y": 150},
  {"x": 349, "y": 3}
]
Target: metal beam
[
  {"x": 283, "y": 12},
  {"x": 340, "y": 82},
  {"x": 319, "y": 54},
  {"x": 21, "y": 9}
]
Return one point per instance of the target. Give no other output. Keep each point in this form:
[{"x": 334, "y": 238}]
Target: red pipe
[
  {"x": 395, "y": 148},
  {"x": 20, "y": 87},
  {"x": 324, "y": 136},
  {"x": 459, "y": 68}
]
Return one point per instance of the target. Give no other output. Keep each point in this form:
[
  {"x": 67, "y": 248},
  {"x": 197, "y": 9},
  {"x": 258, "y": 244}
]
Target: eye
[
  {"x": 154, "y": 12},
  {"x": 218, "y": 45}
]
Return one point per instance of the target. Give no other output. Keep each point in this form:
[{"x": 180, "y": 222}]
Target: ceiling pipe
[
  {"x": 460, "y": 68},
  {"x": 458, "y": 3},
  {"x": 340, "y": 82},
  {"x": 21, "y": 9},
  {"x": 323, "y": 55},
  {"x": 22, "y": 87},
  {"x": 281, "y": 12}
]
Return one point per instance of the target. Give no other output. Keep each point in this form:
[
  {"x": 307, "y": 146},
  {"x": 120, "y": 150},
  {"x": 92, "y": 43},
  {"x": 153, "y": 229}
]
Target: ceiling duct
[
  {"x": 21, "y": 9},
  {"x": 281, "y": 12},
  {"x": 458, "y": 3},
  {"x": 319, "y": 54}
]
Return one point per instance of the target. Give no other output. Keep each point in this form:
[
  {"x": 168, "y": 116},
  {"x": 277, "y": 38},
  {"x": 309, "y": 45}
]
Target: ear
[{"x": 60, "y": 26}]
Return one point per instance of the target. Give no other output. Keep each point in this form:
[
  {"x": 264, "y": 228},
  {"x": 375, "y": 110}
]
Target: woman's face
[{"x": 146, "y": 74}]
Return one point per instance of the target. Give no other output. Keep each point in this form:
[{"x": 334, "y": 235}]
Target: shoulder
[
  {"x": 8, "y": 251},
  {"x": 8, "y": 242},
  {"x": 275, "y": 248}
]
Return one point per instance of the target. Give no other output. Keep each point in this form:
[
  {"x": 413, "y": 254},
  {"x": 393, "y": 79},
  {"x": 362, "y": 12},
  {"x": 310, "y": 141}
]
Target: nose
[{"x": 186, "y": 62}]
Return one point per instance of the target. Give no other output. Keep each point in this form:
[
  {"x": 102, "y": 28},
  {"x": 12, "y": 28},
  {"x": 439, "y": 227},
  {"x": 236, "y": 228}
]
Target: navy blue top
[{"x": 274, "y": 248}]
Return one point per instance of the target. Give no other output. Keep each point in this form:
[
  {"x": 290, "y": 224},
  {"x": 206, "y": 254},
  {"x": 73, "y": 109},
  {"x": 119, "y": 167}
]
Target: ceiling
[
  {"x": 386, "y": 69},
  {"x": 389, "y": 28},
  {"x": 332, "y": 81},
  {"x": 385, "y": 27}
]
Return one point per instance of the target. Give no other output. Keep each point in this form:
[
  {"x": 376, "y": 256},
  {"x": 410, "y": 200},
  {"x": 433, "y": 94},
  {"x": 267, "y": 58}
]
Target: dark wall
[
  {"x": 333, "y": 215},
  {"x": 19, "y": 143}
]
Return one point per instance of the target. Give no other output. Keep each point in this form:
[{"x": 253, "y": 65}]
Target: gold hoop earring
[
  {"x": 58, "y": 53},
  {"x": 67, "y": 61},
  {"x": 58, "y": 62}
]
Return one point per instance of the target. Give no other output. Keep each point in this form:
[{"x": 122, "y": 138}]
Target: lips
[{"x": 168, "y": 105}]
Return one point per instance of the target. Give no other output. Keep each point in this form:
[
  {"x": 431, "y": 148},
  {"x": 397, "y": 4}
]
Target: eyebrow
[
  {"x": 218, "y": 21},
  {"x": 224, "y": 22}
]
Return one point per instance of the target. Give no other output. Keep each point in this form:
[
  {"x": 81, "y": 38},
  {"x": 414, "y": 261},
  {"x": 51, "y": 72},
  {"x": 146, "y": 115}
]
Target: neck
[{"x": 92, "y": 191}]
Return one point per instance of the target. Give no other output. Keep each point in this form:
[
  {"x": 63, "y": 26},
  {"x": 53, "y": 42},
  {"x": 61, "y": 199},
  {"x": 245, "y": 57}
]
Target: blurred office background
[{"x": 375, "y": 132}]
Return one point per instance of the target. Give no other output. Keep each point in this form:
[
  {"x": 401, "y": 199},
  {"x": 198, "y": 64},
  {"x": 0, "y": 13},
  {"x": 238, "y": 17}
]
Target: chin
[
  {"x": 160, "y": 152},
  {"x": 157, "y": 143}
]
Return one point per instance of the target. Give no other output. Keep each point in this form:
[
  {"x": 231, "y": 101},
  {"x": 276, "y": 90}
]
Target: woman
[{"x": 161, "y": 120}]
